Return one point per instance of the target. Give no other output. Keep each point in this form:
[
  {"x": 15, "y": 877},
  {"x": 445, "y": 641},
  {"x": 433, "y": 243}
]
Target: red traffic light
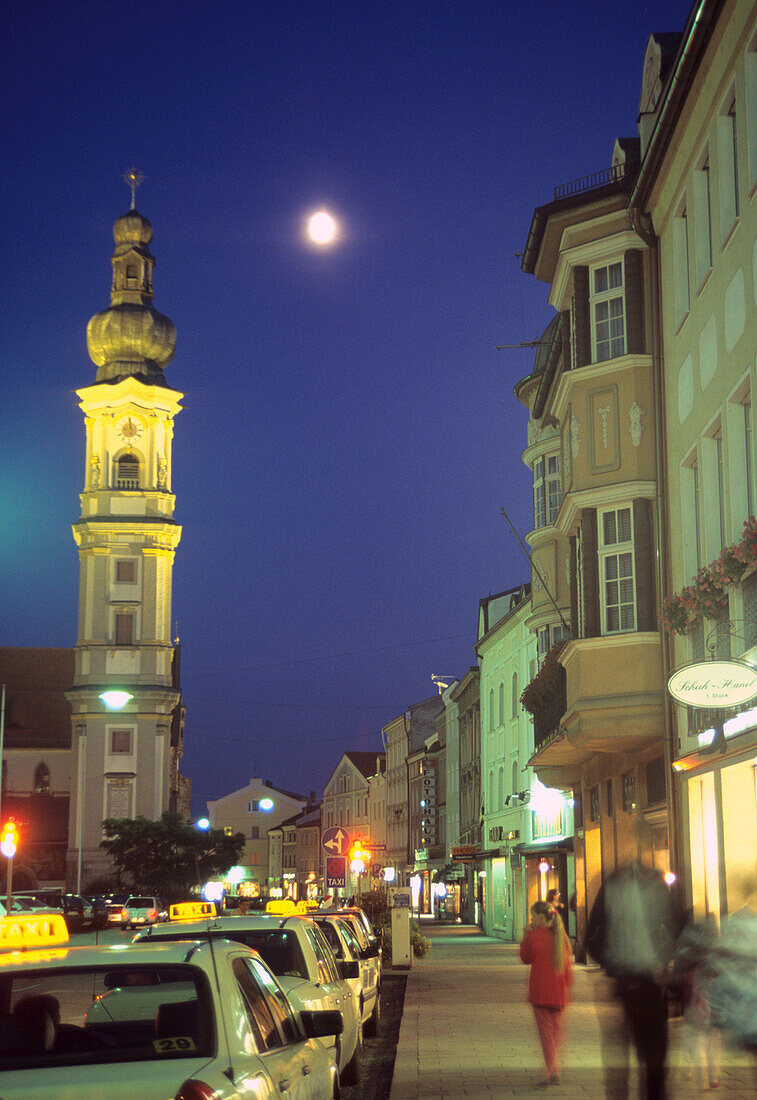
[{"x": 9, "y": 838}]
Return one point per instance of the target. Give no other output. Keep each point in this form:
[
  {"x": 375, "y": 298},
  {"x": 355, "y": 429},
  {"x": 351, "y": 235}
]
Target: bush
[
  {"x": 418, "y": 941},
  {"x": 376, "y": 906}
]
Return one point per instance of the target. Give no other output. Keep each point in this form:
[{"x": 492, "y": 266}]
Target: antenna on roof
[{"x": 442, "y": 682}]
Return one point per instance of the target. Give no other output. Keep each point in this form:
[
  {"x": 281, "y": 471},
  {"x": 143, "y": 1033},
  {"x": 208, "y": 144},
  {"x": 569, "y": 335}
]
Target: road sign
[
  {"x": 335, "y": 873},
  {"x": 335, "y": 841}
]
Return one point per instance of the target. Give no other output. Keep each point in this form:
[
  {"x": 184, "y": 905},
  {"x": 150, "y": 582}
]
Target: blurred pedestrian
[
  {"x": 693, "y": 961},
  {"x": 632, "y": 930},
  {"x": 545, "y": 947},
  {"x": 733, "y": 962},
  {"x": 554, "y": 900}
]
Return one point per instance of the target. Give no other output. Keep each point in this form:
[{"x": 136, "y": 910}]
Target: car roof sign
[
  {"x": 192, "y": 910},
  {"x": 30, "y": 932}
]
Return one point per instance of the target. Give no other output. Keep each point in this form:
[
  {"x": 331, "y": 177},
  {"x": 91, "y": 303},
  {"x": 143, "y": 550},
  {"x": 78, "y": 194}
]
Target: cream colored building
[
  {"x": 696, "y": 197},
  {"x": 253, "y": 811},
  {"x": 346, "y": 804},
  {"x": 125, "y": 761}
]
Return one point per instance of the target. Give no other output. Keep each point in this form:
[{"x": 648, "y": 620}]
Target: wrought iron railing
[{"x": 615, "y": 174}]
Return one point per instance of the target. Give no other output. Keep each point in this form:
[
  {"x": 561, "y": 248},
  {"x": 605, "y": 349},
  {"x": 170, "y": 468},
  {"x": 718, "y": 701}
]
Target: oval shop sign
[{"x": 714, "y": 684}]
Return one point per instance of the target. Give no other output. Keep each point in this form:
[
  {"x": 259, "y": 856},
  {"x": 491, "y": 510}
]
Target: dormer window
[
  {"x": 608, "y": 326},
  {"x": 127, "y": 472}
]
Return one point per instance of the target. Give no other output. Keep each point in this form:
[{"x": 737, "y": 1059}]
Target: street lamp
[{"x": 113, "y": 699}]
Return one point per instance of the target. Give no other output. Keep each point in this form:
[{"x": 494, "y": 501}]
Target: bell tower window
[{"x": 127, "y": 472}]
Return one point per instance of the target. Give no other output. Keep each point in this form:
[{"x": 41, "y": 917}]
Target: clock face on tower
[{"x": 129, "y": 429}]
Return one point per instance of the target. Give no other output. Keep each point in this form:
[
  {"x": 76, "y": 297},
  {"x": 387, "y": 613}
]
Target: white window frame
[
  {"x": 616, "y": 555},
  {"x": 681, "y": 275},
  {"x": 691, "y": 514},
  {"x": 741, "y": 469},
  {"x": 540, "y": 493},
  {"x": 726, "y": 133},
  {"x": 552, "y": 486},
  {"x": 611, "y": 346},
  {"x": 701, "y": 186},
  {"x": 750, "y": 82},
  {"x": 713, "y": 489}
]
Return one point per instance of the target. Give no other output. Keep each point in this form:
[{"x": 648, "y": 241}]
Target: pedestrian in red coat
[{"x": 546, "y": 949}]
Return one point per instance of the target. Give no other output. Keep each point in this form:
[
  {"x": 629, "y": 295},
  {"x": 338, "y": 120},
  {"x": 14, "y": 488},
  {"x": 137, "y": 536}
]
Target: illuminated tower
[{"x": 125, "y": 762}]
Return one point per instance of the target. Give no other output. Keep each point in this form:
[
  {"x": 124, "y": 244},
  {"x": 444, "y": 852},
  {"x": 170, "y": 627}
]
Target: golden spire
[{"x": 131, "y": 337}]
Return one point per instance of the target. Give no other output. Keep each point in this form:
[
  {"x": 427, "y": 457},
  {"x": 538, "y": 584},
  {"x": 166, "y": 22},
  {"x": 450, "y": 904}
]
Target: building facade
[
  {"x": 254, "y": 810},
  {"x": 466, "y": 696},
  {"x": 346, "y": 805},
  {"x": 125, "y": 761},
  {"x": 695, "y": 197},
  {"x": 593, "y": 435}
]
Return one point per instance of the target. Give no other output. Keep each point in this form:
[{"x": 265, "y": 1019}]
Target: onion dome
[{"x": 131, "y": 337}]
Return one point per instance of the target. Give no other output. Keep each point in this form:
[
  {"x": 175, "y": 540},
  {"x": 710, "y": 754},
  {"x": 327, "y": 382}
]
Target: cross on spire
[{"x": 132, "y": 179}]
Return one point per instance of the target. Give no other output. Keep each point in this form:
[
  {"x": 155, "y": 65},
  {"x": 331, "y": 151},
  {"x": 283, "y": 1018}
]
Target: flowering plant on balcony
[
  {"x": 545, "y": 685},
  {"x": 707, "y": 595}
]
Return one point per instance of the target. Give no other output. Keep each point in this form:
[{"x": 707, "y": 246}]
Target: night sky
[{"x": 349, "y": 431}]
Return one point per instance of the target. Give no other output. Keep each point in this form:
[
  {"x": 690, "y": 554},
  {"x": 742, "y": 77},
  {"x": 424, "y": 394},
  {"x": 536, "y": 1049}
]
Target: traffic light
[
  {"x": 359, "y": 856},
  {"x": 9, "y": 839}
]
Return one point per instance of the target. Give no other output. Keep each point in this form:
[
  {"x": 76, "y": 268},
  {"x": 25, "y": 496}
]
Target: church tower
[{"x": 125, "y": 760}]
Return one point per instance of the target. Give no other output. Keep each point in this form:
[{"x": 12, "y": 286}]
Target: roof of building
[
  {"x": 367, "y": 763},
  {"x": 37, "y": 713}
]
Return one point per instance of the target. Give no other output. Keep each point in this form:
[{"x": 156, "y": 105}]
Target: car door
[
  {"x": 287, "y": 1057},
  {"x": 338, "y": 989}
]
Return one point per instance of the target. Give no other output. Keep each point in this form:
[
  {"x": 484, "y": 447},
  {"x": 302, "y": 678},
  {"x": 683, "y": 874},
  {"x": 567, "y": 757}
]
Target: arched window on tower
[
  {"x": 42, "y": 779},
  {"x": 127, "y": 472}
]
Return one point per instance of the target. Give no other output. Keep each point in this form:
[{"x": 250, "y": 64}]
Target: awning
[{"x": 537, "y": 847}]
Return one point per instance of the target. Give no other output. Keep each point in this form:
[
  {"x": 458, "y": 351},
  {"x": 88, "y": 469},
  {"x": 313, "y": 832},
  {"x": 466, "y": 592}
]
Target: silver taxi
[
  {"x": 183, "y": 1019},
  {"x": 345, "y": 945},
  {"x": 296, "y": 951}
]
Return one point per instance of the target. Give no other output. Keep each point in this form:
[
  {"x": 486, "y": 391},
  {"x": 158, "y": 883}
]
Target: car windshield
[{"x": 95, "y": 1016}]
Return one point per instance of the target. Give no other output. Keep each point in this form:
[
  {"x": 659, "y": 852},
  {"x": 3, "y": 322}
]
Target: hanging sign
[{"x": 714, "y": 684}]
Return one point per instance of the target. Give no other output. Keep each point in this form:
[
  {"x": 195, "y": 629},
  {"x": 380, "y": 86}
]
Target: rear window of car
[
  {"x": 277, "y": 947},
  {"x": 141, "y": 903},
  {"x": 96, "y": 1016}
]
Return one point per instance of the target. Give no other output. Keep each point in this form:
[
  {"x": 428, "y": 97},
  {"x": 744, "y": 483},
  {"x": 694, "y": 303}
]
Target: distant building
[
  {"x": 466, "y": 696},
  {"x": 254, "y": 810},
  {"x": 345, "y": 804},
  {"x": 36, "y": 766}
]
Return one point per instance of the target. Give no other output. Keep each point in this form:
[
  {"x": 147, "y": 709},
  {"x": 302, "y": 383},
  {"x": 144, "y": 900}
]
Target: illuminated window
[{"x": 608, "y": 324}]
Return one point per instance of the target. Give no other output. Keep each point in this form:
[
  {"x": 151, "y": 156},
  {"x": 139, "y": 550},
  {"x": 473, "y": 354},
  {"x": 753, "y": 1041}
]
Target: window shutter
[
  {"x": 590, "y": 567},
  {"x": 634, "y": 280},
  {"x": 574, "y": 620},
  {"x": 644, "y": 553},
  {"x": 565, "y": 333},
  {"x": 581, "y": 315}
]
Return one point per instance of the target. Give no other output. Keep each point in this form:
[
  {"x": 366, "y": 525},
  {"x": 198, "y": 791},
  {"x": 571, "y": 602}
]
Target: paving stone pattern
[{"x": 468, "y": 1031}]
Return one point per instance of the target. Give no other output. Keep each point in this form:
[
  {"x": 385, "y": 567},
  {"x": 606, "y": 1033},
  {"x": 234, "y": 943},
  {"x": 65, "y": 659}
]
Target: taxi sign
[
  {"x": 285, "y": 907},
  {"x": 30, "y": 933},
  {"x": 192, "y": 910}
]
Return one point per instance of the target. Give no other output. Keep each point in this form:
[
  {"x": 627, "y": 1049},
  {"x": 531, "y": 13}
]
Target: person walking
[
  {"x": 546, "y": 949},
  {"x": 632, "y": 931}
]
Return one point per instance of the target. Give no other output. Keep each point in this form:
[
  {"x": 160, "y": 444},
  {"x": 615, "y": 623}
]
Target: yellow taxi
[{"x": 184, "y": 1019}]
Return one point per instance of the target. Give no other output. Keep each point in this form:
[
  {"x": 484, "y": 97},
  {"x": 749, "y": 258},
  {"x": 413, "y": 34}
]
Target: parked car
[
  {"x": 76, "y": 909},
  {"x": 345, "y": 945},
  {"x": 361, "y": 926},
  {"x": 154, "y": 1021},
  {"x": 140, "y": 910},
  {"x": 297, "y": 952}
]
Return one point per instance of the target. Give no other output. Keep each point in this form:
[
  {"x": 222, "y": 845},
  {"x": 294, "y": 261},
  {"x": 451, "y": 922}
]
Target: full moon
[{"x": 322, "y": 228}]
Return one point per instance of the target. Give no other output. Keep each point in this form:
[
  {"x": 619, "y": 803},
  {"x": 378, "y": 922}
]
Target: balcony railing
[{"x": 615, "y": 174}]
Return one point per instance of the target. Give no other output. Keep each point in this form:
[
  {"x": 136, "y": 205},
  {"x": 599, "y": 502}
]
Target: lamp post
[{"x": 113, "y": 700}]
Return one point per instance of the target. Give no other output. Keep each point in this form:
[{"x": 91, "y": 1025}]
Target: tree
[{"x": 168, "y": 857}]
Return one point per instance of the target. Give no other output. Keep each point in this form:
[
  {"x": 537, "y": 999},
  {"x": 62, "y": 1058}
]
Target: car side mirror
[{"x": 317, "y": 1025}]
